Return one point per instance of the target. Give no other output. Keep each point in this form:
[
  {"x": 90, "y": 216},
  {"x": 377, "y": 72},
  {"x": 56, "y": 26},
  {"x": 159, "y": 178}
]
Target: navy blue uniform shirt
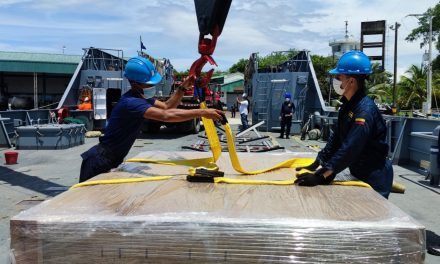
[
  {"x": 287, "y": 108},
  {"x": 125, "y": 123},
  {"x": 359, "y": 139}
]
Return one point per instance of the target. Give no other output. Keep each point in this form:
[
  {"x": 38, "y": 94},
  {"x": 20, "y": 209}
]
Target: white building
[{"x": 341, "y": 46}]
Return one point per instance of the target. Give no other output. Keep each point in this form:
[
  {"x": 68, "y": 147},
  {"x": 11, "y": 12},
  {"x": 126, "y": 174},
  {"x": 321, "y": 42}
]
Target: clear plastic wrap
[{"x": 176, "y": 221}]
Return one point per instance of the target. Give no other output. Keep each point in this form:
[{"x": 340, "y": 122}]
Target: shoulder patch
[{"x": 359, "y": 121}]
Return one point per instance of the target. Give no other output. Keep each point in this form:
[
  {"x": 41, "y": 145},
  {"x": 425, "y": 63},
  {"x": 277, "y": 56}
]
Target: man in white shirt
[{"x": 243, "y": 109}]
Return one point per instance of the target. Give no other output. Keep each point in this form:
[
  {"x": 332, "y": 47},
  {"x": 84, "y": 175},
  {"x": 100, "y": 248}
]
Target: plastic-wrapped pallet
[{"x": 175, "y": 221}]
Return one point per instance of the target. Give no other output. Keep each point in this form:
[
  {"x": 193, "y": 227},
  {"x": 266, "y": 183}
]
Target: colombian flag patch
[{"x": 359, "y": 121}]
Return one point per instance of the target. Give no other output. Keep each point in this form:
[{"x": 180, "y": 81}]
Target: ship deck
[{"x": 43, "y": 174}]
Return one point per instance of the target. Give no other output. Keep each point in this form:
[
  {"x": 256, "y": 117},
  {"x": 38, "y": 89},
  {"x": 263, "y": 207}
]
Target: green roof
[
  {"x": 232, "y": 82},
  {"x": 38, "y": 62},
  {"x": 233, "y": 86}
]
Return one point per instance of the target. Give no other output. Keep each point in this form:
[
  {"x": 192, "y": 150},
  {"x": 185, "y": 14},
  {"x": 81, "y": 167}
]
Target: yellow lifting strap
[
  {"x": 214, "y": 143},
  {"x": 216, "y": 149},
  {"x": 118, "y": 181},
  {"x": 352, "y": 183},
  {"x": 283, "y": 182},
  {"x": 290, "y": 163},
  {"x": 211, "y": 133},
  {"x": 202, "y": 162},
  {"x": 216, "y": 180}
]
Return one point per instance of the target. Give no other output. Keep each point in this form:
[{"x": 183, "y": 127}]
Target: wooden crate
[{"x": 176, "y": 221}]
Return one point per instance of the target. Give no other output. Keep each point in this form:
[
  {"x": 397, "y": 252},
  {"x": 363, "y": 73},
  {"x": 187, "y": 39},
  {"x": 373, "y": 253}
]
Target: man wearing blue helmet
[
  {"x": 286, "y": 114},
  {"x": 127, "y": 116},
  {"x": 358, "y": 141}
]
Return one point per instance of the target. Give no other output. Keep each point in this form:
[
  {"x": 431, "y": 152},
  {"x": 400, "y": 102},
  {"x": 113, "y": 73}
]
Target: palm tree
[
  {"x": 436, "y": 89},
  {"x": 412, "y": 89},
  {"x": 378, "y": 85}
]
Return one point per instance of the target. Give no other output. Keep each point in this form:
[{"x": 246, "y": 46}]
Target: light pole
[
  {"x": 429, "y": 79},
  {"x": 395, "y": 27}
]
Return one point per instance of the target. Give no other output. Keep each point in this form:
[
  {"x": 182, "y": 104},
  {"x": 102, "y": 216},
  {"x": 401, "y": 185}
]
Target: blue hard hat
[
  {"x": 287, "y": 95},
  {"x": 353, "y": 62},
  {"x": 141, "y": 70}
]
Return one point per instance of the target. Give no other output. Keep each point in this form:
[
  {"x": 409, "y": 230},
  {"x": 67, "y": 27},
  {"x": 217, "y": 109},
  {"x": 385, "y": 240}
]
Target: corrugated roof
[
  {"x": 233, "y": 77},
  {"x": 38, "y": 62},
  {"x": 232, "y": 82},
  {"x": 237, "y": 85},
  {"x": 39, "y": 57}
]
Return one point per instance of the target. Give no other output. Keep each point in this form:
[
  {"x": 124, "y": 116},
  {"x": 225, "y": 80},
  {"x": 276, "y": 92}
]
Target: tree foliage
[
  {"x": 379, "y": 85},
  {"x": 412, "y": 89},
  {"x": 239, "y": 66},
  {"x": 322, "y": 65},
  {"x": 422, "y": 31},
  {"x": 275, "y": 58},
  {"x": 436, "y": 90}
]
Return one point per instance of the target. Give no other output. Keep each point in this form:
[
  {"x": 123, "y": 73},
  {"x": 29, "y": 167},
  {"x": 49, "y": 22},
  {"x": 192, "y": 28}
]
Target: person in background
[
  {"x": 85, "y": 105},
  {"x": 133, "y": 107},
  {"x": 218, "y": 102},
  {"x": 233, "y": 110},
  {"x": 286, "y": 114},
  {"x": 243, "y": 109},
  {"x": 359, "y": 138}
]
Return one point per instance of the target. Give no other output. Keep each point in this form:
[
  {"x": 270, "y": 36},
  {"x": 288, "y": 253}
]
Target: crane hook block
[{"x": 211, "y": 15}]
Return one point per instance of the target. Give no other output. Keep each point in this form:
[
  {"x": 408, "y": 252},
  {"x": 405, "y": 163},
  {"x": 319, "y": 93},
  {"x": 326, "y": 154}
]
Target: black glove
[
  {"x": 313, "y": 179},
  {"x": 311, "y": 167}
]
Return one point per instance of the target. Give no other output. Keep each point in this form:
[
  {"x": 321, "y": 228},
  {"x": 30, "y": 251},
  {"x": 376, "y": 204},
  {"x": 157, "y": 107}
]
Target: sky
[{"x": 169, "y": 27}]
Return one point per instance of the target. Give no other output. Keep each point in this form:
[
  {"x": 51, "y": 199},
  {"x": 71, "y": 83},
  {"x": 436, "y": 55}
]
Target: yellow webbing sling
[
  {"x": 214, "y": 143},
  {"x": 216, "y": 149},
  {"x": 216, "y": 180},
  {"x": 290, "y": 163},
  {"x": 283, "y": 182},
  {"x": 117, "y": 181},
  {"x": 209, "y": 162}
]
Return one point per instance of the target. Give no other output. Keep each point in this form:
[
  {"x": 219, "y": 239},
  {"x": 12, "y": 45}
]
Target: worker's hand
[
  {"x": 311, "y": 167},
  {"x": 213, "y": 114},
  {"x": 188, "y": 83},
  {"x": 280, "y": 118},
  {"x": 313, "y": 179}
]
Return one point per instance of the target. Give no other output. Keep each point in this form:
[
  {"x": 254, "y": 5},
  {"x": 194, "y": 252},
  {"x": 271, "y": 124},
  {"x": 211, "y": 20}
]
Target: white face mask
[
  {"x": 149, "y": 92},
  {"x": 287, "y": 99},
  {"x": 337, "y": 87}
]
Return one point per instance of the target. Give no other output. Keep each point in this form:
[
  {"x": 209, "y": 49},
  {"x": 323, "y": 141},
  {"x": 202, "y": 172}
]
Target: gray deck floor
[{"x": 42, "y": 174}]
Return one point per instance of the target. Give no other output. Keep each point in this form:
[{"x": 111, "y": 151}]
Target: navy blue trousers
[
  {"x": 97, "y": 160},
  {"x": 381, "y": 179}
]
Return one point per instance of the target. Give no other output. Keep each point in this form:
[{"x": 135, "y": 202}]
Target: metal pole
[
  {"x": 394, "y": 108},
  {"x": 330, "y": 91},
  {"x": 429, "y": 77},
  {"x": 35, "y": 91},
  {"x": 429, "y": 83}
]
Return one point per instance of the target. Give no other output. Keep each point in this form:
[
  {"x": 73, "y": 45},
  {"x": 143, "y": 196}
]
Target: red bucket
[{"x": 11, "y": 157}]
